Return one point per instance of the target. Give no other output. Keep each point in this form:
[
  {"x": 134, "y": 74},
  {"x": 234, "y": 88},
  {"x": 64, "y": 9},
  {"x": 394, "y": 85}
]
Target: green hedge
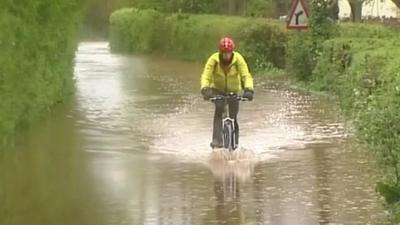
[
  {"x": 302, "y": 57},
  {"x": 361, "y": 66},
  {"x": 360, "y": 30},
  {"x": 194, "y": 37},
  {"x": 365, "y": 74},
  {"x": 37, "y": 42}
]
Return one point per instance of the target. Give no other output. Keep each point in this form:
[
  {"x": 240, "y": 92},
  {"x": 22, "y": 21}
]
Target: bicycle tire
[
  {"x": 228, "y": 136},
  {"x": 232, "y": 141}
]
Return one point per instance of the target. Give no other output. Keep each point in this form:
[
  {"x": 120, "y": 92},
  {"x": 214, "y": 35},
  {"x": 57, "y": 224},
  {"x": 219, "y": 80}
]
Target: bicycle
[{"x": 228, "y": 123}]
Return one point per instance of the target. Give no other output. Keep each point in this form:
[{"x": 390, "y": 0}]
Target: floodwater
[{"x": 132, "y": 147}]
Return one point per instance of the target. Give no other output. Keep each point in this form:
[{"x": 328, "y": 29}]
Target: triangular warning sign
[{"x": 298, "y": 17}]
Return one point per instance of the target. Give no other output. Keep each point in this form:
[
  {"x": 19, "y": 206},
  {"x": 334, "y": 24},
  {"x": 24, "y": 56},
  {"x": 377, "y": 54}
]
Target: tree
[
  {"x": 260, "y": 8},
  {"x": 268, "y": 8},
  {"x": 356, "y": 9},
  {"x": 198, "y": 6},
  {"x": 232, "y": 7},
  {"x": 333, "y": 9},
  {"x": 397, "y": 3},
  {"x": 282, "y": 7},
  {"x": 322, "y": 26},
  {"x": 97, "y": 13},
  {"x": 173, "y": 6}
]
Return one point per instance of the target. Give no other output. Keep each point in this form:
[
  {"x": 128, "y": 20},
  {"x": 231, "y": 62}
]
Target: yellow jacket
[{"x": 236, "y": 78}]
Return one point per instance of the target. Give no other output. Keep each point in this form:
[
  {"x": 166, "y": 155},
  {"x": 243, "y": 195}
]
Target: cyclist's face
[{"x": 226, "y": 56}]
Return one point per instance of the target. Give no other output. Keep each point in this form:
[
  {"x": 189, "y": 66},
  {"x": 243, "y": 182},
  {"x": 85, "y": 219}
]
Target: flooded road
[{"x": 132, "y": 147}]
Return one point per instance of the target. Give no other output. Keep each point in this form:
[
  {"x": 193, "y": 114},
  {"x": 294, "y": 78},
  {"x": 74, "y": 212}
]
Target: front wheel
[{"x": 229, "y": 135}]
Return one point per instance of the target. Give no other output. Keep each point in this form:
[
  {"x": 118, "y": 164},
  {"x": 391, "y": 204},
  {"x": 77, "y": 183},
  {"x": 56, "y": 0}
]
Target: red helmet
[{"x": 226, "y": 45}]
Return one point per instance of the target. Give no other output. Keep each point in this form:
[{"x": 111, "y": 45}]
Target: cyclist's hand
[
  {"x": 248, "y": 93},
  {"x": 207, "y": 93}
]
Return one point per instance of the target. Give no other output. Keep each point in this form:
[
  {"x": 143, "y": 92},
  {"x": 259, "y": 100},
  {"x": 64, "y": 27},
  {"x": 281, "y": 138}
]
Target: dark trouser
[{"x": 219, "y": 111}]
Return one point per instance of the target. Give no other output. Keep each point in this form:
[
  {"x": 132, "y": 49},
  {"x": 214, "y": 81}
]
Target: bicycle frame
[{"x": 228, "y": 123}]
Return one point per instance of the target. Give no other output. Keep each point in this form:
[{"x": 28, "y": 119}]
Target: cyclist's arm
[
  {"x": 245, "y": 76},
  {"x": 206, "y": 76}
]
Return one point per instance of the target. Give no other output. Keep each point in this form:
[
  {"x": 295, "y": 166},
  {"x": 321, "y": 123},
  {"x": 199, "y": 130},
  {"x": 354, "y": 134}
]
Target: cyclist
[{"x": 226, "y": 72}]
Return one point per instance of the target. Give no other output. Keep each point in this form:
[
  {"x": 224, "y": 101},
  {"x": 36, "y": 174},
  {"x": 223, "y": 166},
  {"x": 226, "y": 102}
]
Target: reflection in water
[
  {"x": 132, "y": 148},
  {"x": 323, "y": 184},
  {"x": 228, "y": 177},
  {"x": 228, "y": 208}
]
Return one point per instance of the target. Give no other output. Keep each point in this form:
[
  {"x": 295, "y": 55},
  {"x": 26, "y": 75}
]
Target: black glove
[
  {"x": 207, "y": 93},
  {"x": 248, "y": 93}
]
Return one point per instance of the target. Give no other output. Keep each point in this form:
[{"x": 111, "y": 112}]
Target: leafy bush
[
  {"x": 300, "y": 56},
  {"x": 265, "y": 44},
  {"x": 195, "y": 37},
  {"x": 360, "y": 64},
  {"x": 37, "y": 43},
  {"x": 365, "y": 74},
  {"x": 360, "y": 30}
]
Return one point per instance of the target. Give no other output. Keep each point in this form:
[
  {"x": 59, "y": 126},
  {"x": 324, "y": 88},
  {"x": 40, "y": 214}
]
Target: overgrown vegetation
[
  {"x": 359, "y": 64},
  {"x": 364, "y": 73},
  {"x": 195, "y": 36},
  {"x": 98, "y": 11},
  {"x": 37, "y": 42},
  {"x": 304, "y": 48}
]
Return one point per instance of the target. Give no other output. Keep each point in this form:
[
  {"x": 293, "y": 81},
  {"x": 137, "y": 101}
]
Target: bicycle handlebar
[{"x": 222, "y": 97}]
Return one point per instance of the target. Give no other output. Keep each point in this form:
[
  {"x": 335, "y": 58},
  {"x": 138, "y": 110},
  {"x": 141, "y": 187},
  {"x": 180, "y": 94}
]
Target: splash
[{"x": 239, "y": 164}]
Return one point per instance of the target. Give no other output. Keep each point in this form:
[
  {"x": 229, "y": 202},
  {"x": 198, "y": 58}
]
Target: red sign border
[{"x": 292, "y": 11}]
